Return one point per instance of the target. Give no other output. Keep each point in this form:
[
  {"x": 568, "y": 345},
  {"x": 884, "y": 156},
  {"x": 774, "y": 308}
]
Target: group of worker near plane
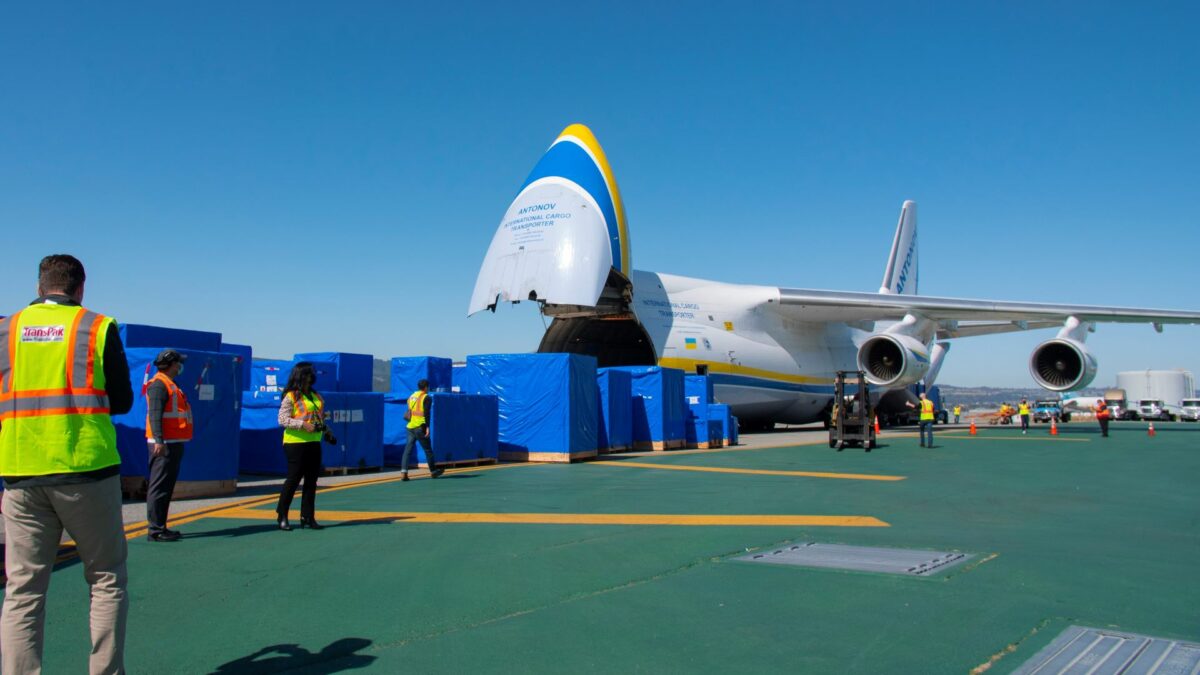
[{"x": 63, "y": 374}]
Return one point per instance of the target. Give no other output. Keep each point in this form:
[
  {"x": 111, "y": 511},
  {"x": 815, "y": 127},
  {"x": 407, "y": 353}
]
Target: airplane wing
[{"x": 958, "y": 317}]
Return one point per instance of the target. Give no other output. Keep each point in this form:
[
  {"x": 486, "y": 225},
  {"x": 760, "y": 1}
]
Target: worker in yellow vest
[
  {"x": 62, "y": 375},
  {"x": 302, "y": 416},
  {"x": 1023, "y": 411},
  {"x": 417, "y": 414},
  {"x": 957, "y": 412},
  {"x": 926, "y": 419},
  {"x": 168, "y": 427}
]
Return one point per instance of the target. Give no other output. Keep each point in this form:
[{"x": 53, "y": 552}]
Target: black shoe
[
  {"x": 165, "y": 535},
  {"x": 283, "y": 524},
  {"x": 436, "y": 472},
  {"x": 404, "y": 476},
  {"x": 311, "y": 523},
  {"x": 922, "y": 445}
]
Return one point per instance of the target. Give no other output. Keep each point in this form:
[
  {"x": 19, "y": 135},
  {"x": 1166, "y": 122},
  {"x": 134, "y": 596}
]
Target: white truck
[
  {"x": 1189, "y": 409},
  {"x": 1155, "y": 409},
  {"x": 1117, "y": 406}
]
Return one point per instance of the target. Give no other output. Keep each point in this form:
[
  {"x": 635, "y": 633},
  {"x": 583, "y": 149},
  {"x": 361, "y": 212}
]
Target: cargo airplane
[{"x": 772, "y": 352}]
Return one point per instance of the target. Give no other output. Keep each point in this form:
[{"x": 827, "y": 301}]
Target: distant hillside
[{"x": 992, "y": 397}]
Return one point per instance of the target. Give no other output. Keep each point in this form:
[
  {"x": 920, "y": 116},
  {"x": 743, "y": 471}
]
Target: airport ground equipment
[
  {"x": 852, "y": 421},
  {"x": 1049, "y": 410},
  {"x": 1189, "y": 410}
]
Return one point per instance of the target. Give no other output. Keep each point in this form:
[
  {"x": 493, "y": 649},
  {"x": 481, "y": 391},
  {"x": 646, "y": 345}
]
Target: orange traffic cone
[
  {"x": 972, "y": 427},
  {"x": 877, "y": 424},
  {"x": 1150, "y": 431},
  {"x": 1053, "y": 427}
]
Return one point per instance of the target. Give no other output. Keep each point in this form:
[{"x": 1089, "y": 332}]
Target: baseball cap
[{"x": 168, "y": 356}]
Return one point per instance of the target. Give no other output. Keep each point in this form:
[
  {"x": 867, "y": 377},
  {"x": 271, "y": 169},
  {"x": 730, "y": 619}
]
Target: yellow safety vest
[
  {"x": 1022, "y": 409},
  {"x": 416, "y": 409},
  {"x": 54, "y": 410},
  {"x": 926, "y": 410},
  {"x": 304, "y": 408},
  {"x": 957, "y": 410}
]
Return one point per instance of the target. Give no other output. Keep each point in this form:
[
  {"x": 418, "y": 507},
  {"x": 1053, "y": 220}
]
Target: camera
[{"x": 326, "y": 435}]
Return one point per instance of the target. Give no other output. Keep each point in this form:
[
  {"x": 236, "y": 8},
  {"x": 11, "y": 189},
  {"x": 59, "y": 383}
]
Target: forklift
[{"x": 851, "y": 422}]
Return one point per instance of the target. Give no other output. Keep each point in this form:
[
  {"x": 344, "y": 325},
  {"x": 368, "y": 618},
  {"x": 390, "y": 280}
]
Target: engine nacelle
[
  {"x": 1062, "y": 365},
  {"x": 893, "y": 360}
]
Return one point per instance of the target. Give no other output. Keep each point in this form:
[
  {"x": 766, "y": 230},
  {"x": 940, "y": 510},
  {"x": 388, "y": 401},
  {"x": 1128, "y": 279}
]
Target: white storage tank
[{"x": 1168, "y": 386}]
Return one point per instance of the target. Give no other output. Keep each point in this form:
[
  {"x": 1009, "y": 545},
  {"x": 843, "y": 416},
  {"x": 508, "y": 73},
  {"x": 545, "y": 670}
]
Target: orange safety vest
[
  {"x": 177, "y": 416},
  {"x": 1102, "y": 411}
]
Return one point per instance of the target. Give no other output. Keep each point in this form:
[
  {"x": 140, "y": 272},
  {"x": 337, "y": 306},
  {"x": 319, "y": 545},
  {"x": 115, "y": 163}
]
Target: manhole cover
[
  {"x": 1098, "y": 651},
  {"x": 859, "y": 558}
]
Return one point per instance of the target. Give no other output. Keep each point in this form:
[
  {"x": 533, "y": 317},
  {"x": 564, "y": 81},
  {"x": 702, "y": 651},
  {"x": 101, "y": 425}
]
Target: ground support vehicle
[
  {"x": 1189, "y": 410},
  {"x": 852, "y": 421},
  {"x": 1154, "y": 409},
  {"x": 1045, "y": 411}
]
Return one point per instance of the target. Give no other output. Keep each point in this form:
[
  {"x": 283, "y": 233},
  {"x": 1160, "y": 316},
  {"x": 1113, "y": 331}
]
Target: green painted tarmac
[{"x": 1075, "y": 529}]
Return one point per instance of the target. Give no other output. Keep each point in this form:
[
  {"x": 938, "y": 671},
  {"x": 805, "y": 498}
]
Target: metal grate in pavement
[
  {"x": 859, "y": 558},
  {"x": 1104, "y": 652}
]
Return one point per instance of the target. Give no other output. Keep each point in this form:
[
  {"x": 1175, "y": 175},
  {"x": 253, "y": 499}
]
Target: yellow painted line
[
  {"x": 1044, "y": 439},
  {"x": 753, "y": 472},
  {"x": 576, "y": 518}
]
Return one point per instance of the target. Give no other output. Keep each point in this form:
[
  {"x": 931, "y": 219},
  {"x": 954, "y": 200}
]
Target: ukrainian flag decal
[{"x": 689, "y": 343}]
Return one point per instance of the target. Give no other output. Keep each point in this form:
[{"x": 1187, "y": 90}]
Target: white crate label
[
  {"x": 356, "y": 415},
  {"x": 208, "y": 392},
  {"x": 272, "y": 380},
  {"x": 694, "y": 400}
]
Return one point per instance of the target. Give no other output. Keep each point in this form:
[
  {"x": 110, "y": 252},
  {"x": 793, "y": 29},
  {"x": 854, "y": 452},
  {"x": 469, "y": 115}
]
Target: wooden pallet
[
  {"x": 659, "y": 446},
  {"x": 620, "y": 448},
  {"x": 559, "y": 457}
]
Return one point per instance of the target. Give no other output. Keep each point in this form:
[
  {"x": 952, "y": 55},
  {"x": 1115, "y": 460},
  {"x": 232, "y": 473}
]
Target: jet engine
[
  {"x": 1062, "y": 365},
  {"x": 893, "y": 360}
]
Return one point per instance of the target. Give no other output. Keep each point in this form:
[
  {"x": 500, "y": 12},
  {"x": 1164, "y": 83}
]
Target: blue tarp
[
  {"x": 245, "y": 356},
  {"x": 408, "y": 370},
  {"x": 659, "y": 408},
  {"x": 458, "y": 379},
  {"x": 209, "y": 381},
  {"x": 616, "y": 409},
  {"x": 356, "y": 419},
  {"x": 716, "y": 432},
  {"x": 338, "y": 371},
  {"x": 721, "y": 413},
  {"x": 269, "y": 375},
  {"x": 698, "y": 391},
  {"x": 547, "y": 403},
  {"x": 140, "y": 335},
  {"x": 461, "y": 427}
]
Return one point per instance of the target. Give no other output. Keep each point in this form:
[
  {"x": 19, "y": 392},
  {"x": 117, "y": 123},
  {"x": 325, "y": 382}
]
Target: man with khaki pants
[{"x": 62, "y": 374}]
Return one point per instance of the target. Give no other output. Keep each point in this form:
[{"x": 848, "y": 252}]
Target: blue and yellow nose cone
[{"x": 576, "y": 156}]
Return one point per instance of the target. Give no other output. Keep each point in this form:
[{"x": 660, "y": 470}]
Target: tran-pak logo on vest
[{"x": 43, "y": 333}]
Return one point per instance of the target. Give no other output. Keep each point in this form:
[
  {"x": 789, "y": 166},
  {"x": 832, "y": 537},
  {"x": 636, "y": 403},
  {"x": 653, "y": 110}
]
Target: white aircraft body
[{"x": 772, "y": 352}]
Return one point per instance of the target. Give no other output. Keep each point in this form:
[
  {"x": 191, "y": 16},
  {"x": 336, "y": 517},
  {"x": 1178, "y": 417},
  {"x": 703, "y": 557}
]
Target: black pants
[
  {"x": 1103, "y": 425},
  {"x": 414, "y": 436},
  {"x": 164, "y": 471},
  {"x": 1024, "y": 422},
  {"x": 304, "y": 461}
]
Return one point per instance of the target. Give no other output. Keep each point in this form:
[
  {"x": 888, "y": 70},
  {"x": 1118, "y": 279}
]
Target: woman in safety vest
[{"x": 302, "y": 416}]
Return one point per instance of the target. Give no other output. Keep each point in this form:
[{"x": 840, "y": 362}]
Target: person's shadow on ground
[{"x": 336, "y": 657}]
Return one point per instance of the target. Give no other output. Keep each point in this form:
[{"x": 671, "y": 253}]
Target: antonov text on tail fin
[{"x": 772, "y": 352}]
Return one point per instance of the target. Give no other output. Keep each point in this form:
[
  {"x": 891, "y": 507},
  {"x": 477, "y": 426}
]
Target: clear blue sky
[{"x": 306, "y": 177}]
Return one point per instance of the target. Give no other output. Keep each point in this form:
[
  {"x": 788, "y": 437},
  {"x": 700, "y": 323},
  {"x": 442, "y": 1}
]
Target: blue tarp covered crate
[
  {"x": 210, "y": 461},
  {"x": 659, "y": 407},
  {"x": 547, "y": 403},
  {"x": 716, "y": 431},
  {"x": 463, "y": 428},
  {"x": 721, "y": 413},
  {"x": 356, "y": 419},
  {"x": 245, "y": 356},
  {"x": 615, "y": 432},
  {"x": 408, "y": 370},
  {"x": 698, "y": 389},
  {"x": 140, "y": 335},
  {"x": 698, "y": 393},
  {"x": 269, "y": 376},
  {"x": 458, "y": 378},
  {"x": 338, "y": 371}
]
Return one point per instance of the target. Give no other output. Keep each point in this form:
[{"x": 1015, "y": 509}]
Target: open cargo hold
[
  {"x": 137, "y": 335},
  {"x": 269, "y": 376},
  {"x": 407, "y": 371},
  {"x": 210, "y": 459},
  {"x": 463, "y": 429},
  {"x": 245, "y": 356},
  {"x": 659, "y": 407},
  {"x": 698, "y": 393},
  {"x": 356, "y": 419},
  {"x": 338, "y": 371},
  {"x": 721, "y": 413},
  {"x": 548, "y": 404},
  {"x": 615, "y": 431}
]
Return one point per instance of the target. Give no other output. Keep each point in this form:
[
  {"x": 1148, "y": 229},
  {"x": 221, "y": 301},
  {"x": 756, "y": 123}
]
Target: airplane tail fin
[{"x": 900, "y": 277}]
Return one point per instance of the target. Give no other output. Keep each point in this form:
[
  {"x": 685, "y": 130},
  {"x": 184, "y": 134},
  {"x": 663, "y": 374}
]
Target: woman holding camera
[{"x": 302, "y": 416}]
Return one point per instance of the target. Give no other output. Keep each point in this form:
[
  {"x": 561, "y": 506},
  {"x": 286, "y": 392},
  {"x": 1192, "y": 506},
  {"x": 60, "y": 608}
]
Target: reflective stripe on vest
[
  {"x": 304, "y": 408},
  {"x": 177, "y": 409},
  {"x": 926, "y": 409},
  {"x": 54, "y": 410},
  {"x": 416, "y": 409}
]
